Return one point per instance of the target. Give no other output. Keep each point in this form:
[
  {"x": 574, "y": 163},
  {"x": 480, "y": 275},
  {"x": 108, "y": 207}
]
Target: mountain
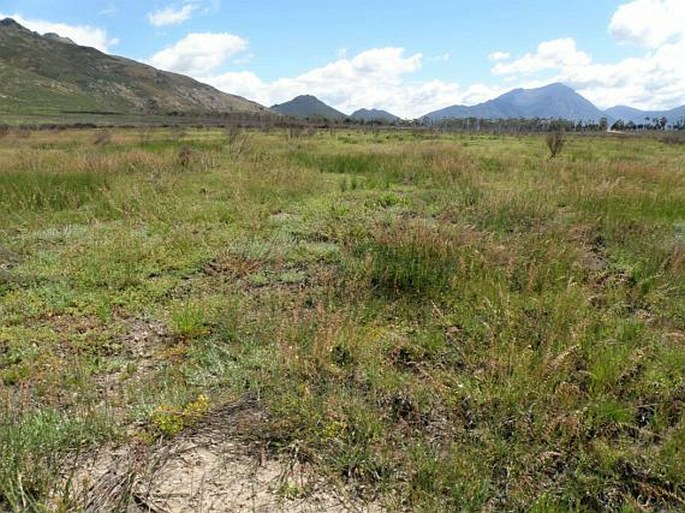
[
  {"x": 551, "y": 101},
  {"x": 52, "y": 75},
  {"x": 307, "y": 106},
  {"x": 371, "y": 115},
  {"x": 637, "y": 116}
]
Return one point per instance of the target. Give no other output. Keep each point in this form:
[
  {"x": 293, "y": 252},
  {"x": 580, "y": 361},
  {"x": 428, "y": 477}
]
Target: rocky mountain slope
[{"x": 48, "y": 74}]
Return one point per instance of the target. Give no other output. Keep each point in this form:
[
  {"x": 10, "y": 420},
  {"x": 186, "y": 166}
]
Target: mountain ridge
[
  {"x": 637, "y": 116},
  {"x": 306, "y": 106},
  {"x": 374, "y": 115},
  {"x": 551, "y": 101},
  {"x": 50, "y": 74}
]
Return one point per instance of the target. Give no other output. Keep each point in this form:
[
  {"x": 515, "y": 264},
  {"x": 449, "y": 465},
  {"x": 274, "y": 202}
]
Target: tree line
[
  {"x": 660, "y": 123},
  {"x": 524, "y": 125}
]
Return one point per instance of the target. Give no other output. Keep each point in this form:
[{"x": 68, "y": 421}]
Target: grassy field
[{"x": 440, "y": 322}]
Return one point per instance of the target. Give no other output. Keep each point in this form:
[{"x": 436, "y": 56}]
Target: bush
[{"x": 555, "y": 142}]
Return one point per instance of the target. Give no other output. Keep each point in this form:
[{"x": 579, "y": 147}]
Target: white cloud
[
  {"x": 382, "y": 77},
  {"x": 445, "y": 57},
  {"x": 376, "y": 78},
  {"x": 170, "y": 15},
  {"x": 84, "y": 35},
  {"x": 200, "y": 53},
  {"x": 559, "y": 53},
  {"x": 649, "y": 23},
  {"x": 499, "y": 56},
  {"x": 653, "y": 80}
]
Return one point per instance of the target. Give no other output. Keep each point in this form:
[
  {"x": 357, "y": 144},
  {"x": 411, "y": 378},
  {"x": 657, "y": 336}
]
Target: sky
[{"x": 409, "y": 57}]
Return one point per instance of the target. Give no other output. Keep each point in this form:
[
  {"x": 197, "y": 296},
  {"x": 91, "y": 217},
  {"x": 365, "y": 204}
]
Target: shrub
[{"x": 555, "y": 142}]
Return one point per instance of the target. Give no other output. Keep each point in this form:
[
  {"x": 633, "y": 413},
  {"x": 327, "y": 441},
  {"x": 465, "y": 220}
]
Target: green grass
[
  {"x": 36, "y": 446},
  {"x": 443, "y": 322}
]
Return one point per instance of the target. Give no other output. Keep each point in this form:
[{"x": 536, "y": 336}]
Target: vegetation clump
[
  {"x": 555, "y": 142},
  {"x": 414, "y": 260}
]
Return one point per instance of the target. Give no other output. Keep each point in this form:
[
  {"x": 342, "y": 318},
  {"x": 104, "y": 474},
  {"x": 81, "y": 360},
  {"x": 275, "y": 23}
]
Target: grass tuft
[{"x": 411, "y": 259}]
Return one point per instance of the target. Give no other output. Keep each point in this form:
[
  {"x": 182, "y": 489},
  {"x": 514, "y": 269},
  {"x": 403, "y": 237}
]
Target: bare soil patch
[{"x": 213, "y": 468}]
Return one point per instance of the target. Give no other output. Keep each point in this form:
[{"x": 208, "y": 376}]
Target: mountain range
[
  {"x": 556, "y": 101},
  {"x": 48, "y": 74},
  {"x": 640, "y": 116},
  {"x": 310, "y": 107}
]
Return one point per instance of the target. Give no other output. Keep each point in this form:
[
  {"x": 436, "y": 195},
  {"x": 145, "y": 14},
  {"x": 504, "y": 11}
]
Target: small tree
[
  {"x": 618, "y": 126},
  {"x": 555, "y": 142}
]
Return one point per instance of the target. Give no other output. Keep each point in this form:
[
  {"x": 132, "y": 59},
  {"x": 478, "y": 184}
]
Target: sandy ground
[{"x": 208, "y": 470}]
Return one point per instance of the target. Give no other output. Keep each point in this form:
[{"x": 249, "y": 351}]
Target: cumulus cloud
[
  {"x": 649, "y": 23},
  {"x": 84, "y": 35},
  {"x": 199, "y": 53},
  {"x": 375, "y": 78},
  {"x": 383, "y": 77},
  {"x": 371, "y": 76},
  {"x": 170, "y": 15},
  {"x": 654, "y": 79},
  {"x": 559, "y": 53}
]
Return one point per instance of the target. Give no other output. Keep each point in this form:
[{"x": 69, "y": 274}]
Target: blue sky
[{"x": 405, "y": 56}]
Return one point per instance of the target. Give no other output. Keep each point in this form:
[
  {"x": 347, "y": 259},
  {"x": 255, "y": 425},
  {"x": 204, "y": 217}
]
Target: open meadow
[{"x": 421, "y": 321}]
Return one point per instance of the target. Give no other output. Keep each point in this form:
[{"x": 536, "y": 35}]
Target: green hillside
[{"x": 46, "y": 75}]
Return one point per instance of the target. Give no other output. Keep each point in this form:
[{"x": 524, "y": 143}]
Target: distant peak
[
  {"x": 556, "y": 85},
  {"x": 299, "y": 99},
  {"x": 549, "y": 87},
  {"x": 9, "y": 22},
  {"x": 307, "y": 105},
  {"x": 373, "y": 115}
]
